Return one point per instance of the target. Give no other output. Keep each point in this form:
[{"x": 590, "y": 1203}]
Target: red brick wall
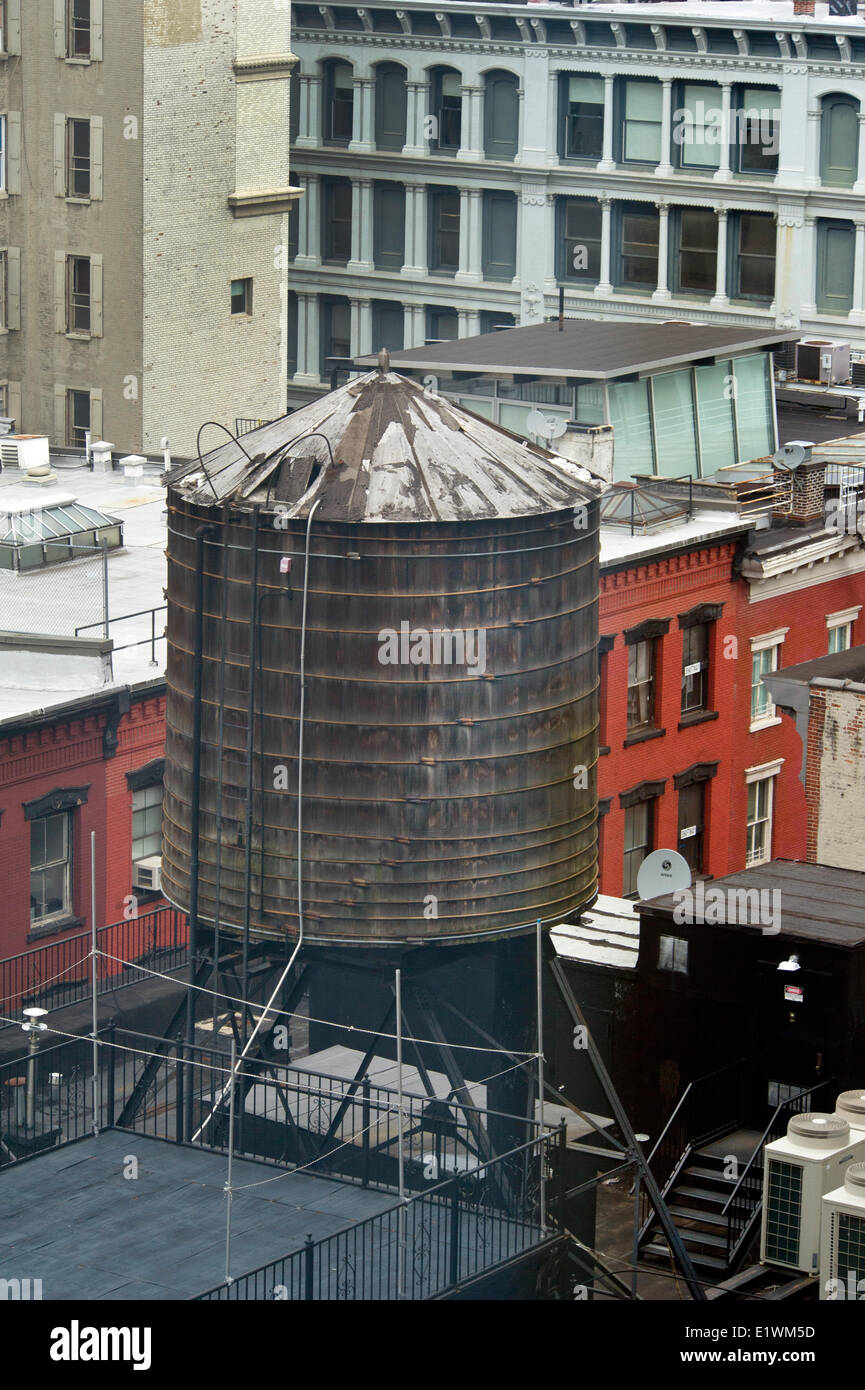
[
  {"x": 66, "y": 754},
  {"x": 664, "y": 589}
]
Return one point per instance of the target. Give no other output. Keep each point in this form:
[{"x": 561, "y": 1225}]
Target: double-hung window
[
  {"x": 580, "y": 238},
  {"x": 639, "y": 839},
  {"x": 582, "y": 104},
  {"x": 696, "y": 264},
  {"x": 338, "y": 103},
  {"x": 447, "y": 103},
  {"x": 753, "y": 246},
  {"x": 50, "y": 867},
  {"x": 641, "y": 106},
  {"x": 77, "y": 158},
  {"x": 146, "y": 822},
  {"x": 765, "y": 658},
  {"x": 444, "y": 211},
  {"x": 79, "y": 29},
  {"x": 761, "y": 797},
  {"x": 839, "y": 628},
  {"x": 641, "y": 685},
  {"x": 78, "y": 298},
  {"x": 757, "y": 131}
]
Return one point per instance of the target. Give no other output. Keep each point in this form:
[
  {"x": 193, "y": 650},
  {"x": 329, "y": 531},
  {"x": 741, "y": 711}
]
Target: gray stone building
[
  {"x": 462, "y": 163},
  {"x": 144, "y": 196}
]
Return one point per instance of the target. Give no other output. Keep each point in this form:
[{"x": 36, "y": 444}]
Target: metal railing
[
  {"x": 707, "y": 1108},
  {"x": 745, "y": 1201},
  {"x": 62, "y": 1104},
  {"x": 458, "y": 1230},
  {"x": 126, "y": 617},
  {"x": 59, "y": 973},
  {"x": 289, "y": 1116}
]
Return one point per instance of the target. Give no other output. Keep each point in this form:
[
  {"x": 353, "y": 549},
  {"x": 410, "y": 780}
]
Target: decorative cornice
[
  {"x": 266, "y": 67},
  {"x": 267, "y": 201},
  {"x": 583, "y": 53}
]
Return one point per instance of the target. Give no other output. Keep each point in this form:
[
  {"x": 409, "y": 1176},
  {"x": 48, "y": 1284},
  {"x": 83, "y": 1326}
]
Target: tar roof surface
[
  {"x": 818, "y": 903},
  {"x": 390, "y": 452},
  {"x": 585, "y": 348},
  {"x": 842, "y": 666}
]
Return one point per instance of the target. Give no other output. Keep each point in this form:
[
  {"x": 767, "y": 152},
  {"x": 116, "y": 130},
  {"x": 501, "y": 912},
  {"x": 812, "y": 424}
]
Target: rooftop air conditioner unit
[
  {"x": 797, "y": 1171},
  {"x": 850, "y": 1106},
  {"x": 147, "y": 874},
  {"x": 842, "y": 1239},
  {"x": 823, "y": 360},
  {"x": 29, "y": 452}
]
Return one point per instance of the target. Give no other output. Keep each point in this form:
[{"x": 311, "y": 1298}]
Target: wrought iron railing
[
  {"x": 419, "y": 1249},
  {"x": 745, "y": 1201},
  {"x": 289, "y": 1116},
  {"x": 59, "y": 972}
]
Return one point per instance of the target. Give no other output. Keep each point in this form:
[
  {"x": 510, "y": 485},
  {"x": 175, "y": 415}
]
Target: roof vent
[
  {"x": 814, "y": 1129},
  {"x": 383, "y": 362},
  {"x": 854, "y": 1178}
]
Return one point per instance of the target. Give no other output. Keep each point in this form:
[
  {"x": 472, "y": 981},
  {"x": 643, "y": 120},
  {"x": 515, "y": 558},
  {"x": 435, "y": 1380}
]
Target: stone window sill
[
  {"x": 643, "y": 736},
  {"x": 757, "y": 724},
  {"x": 39, "y": 930},
  {"x": 697, "y": 716}
]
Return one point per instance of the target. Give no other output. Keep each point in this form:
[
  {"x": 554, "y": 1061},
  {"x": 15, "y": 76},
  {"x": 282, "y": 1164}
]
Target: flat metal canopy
[
  {"x": 588, "y": 348},
  {"x": 818, "y": 904}
]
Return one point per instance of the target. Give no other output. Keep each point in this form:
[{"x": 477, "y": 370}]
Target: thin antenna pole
[
  {"x": 540, "y": 987},
  {"x": 93, "y": 976},
  {"x": 228, "y": 1188},
  {"x": 401, "y": 1246}
]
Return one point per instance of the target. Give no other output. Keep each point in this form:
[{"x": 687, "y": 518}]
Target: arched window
[
  {"x": 390, "y": 106},
  {"x": 338, "y": 108},
  {"x": 839, "y": 139},
  {"x": 446, "y": 106},
  {"x": 501, "y": 115}
]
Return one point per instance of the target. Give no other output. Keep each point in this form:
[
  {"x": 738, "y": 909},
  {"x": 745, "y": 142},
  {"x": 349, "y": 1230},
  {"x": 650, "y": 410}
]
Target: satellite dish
[
  {"x": 793, "y": 454},
  {"x": 546, "y": 426},
  {"x": 663, "y": 871}
]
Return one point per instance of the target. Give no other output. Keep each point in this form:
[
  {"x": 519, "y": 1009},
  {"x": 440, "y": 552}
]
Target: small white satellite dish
[
  {"x": 793, "y": 454},
  {"x": 546, "y": 426},
  {"x": 663, "y": 871}
]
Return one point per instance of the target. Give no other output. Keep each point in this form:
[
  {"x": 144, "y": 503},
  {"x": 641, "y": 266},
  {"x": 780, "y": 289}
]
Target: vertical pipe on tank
[
  {"x": 250, "y": 749},
  {"x": 220, "y": 738},
  {"x": 201, "y": 535}
]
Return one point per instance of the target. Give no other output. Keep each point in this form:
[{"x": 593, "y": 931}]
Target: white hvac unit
[
  {"x": 147, "y": 873},
  {"x": 29, "y": 452},
  {"x": 797, "y": 1171},
  {"x": 850, "y": 1106},
  {"x": 842, "y": 1241},
  {"x": 824, "y": 360}
]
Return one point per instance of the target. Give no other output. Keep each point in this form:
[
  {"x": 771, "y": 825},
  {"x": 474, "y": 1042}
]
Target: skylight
[{"x": 31, "y": 537}]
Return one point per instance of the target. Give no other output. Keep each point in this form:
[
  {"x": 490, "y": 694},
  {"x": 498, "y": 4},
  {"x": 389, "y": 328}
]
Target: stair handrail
[
  {"x": 691, "y": 1086},
  {"x": 794, "y": 1104}
]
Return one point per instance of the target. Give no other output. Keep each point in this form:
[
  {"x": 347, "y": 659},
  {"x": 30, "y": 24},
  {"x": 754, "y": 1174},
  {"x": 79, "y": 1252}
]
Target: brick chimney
[
  {"x": 803, "y": 482},
  {"x": 803, "y": 7}
]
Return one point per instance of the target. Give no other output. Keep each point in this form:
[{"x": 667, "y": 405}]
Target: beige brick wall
[
  {"x": 208, "y": 136},
  {"x": 841, "y": 830}
]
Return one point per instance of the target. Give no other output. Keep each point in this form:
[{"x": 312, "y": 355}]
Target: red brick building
[
  {"x": 78, "y": 767},
  {"x": 695, "y": 757}
]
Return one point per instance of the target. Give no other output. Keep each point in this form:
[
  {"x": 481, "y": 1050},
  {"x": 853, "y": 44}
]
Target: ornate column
[
  {"x": 808, "y": 305},
  {"x": 470, "y": 271},
  {"x": 417, "y": 143},
  {"x": 723, "y": 172},
  {"x": 859, "y": 185},
  {"x": 857, "y": 313},
  {"x": 812, "y": 156},
  {"x": 662, "y": 292},
  {"x": 604, "y": 285},
  {"x": 309, "y": 224},
  {"x": 309, "y": 132},
  {"x": 413, "y": 325},
  {"x": 720, "y": 298},
  {"x": 361, "y": 225},
  {"x": 361, "y": 326},
  {"x": 519, "y": 157},
  {"x": 665, "y": 168},
  {"x": 470, "y": 147},
  {"x": 415, "y": 263},
  {"x": 362, "y": 131},
  {"x": 308, "y": 341},
  {"x": 607, "y": 163}
]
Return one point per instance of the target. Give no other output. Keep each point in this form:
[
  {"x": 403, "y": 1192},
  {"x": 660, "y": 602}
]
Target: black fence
[
  {"x": 59, "y": 973},
  {"x": 421, "y": 1248}
]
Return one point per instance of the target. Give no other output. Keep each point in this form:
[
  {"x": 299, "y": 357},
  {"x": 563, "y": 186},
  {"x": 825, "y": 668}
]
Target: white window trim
[
  {"x": 845, "y": 616},
  {"x": 765, "y": 773},
  {"x": 761, "y": 770},
  {"x": 766, "y": 642}
]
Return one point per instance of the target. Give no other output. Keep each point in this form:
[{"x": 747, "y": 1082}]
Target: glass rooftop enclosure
[
  {"x": 693, "y": 421},
  {"x": 63, "y": 529}
]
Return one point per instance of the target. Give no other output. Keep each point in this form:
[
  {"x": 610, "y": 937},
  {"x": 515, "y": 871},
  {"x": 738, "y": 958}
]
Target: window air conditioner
[{"x": 147, "y": 873}]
